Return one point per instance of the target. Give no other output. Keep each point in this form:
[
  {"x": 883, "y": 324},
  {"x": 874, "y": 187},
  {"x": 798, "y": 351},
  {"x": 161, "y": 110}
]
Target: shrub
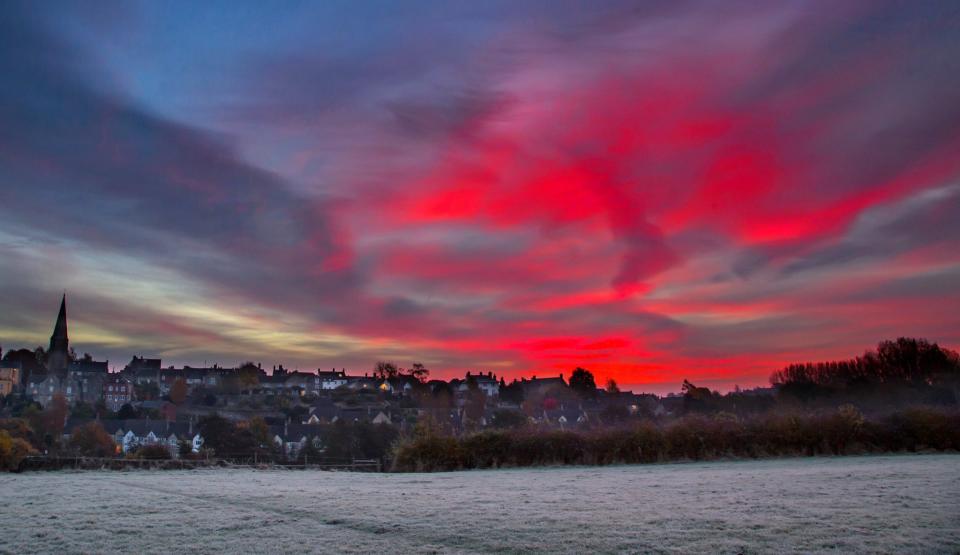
[
  {"x": 486, "y": 449},
  {"x": 429, "y": 453},
  {"x": 152, "y": 452},
  {"x": 693, "y": 437},
  {"x": 92, "y": 440},
  {"x": 923, "y": 428},
  {"x": 19, "y": 428},
  {"x": 12, "y": 451}
]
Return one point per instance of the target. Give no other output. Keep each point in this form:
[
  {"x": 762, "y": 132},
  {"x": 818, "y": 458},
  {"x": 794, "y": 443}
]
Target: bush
[
  {"x": 693, "y": 437},
  {"x": 153, "y": 452},
  {"x": 91, "y": 440},
  {"x": 19, "y": 428},
  {"x": 428, "y": 454},
  {"x": 12, "y": 451},
  {"x": 923, "y": 428},
  {"x": 508, "y": 419}
]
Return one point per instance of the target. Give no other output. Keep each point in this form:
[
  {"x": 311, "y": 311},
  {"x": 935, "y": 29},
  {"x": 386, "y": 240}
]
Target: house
[
  {"x": 332, "y": 379},
  {"x": 381, "y": 418},
  {"x": 365, "y": 382},
  {"x": 166, "y": 409},
  {"x": 403, "y": 385},
  {"x": 564, "y": 418},
  {"x": 56, "y": 383},
  {"x": 129, "y": 435},
  {"x": 143, "y": 371},
  {"x": 487, "y": 383},
  {"x": 541, "y": 386},
  {"x": 199, "y": 378},
  {"x": 168, "y": 377},
  {"x": 323, "y": 412},
  {"x": 117, "y": 391},
  {"x": 292, "y": 438},
  {"x": 275, "y": 382},
  {"x": 304, "y": 382},
  {"x": 366, "y": 413},
  {"x": 10, "y": 374},
  {"x": 87, "y": 365},
  {"x": 132, "y": 434}
]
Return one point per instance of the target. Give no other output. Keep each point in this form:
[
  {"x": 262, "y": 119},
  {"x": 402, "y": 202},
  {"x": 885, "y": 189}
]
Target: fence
[{"x": 95, "y": 463}]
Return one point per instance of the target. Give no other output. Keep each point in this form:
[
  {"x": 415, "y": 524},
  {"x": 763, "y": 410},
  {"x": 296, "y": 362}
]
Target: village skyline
[{"x": 268, "y": 367}]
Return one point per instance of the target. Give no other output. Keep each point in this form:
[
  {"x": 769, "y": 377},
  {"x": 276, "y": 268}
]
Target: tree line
[{"x": 697, "y": 437}]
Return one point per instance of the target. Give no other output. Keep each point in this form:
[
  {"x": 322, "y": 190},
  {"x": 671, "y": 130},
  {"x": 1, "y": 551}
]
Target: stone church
[{"x": 78, "y": 380}]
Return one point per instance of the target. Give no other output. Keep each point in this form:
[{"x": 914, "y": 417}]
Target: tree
[
  {"x": 185, "y": 448},
  {"x": 12, "y": 451},
  {"x": 146, "y": 392},
  {"x": 154, "y": 452},
  {"x": 612, "y": 387},
  {"x": 260, "y": 430},
  {"x": 40, "y": 355},
  {"x": 217, "y": 432},
  {"x": 385, "y": 370},
  {"x": 583, "y": 383},
  {"x": 226, "y": 439},
  {"x": 512, "y": 393},
  {"x": 178, "y": 391},
  {"x": 698, "y": 398},
  {"x": 28, "y": 361},
  {"x": 126, "y": 412},
  {"x": 55, "y": 415},
  {"x": 419, "y": 371},
  {"x": 309, "y": 451},
  {"x": 100, "y": 409},
  {"x": 83, "y": 411},
  {"x": 615, "y": 413},
  {"x": 340, "y": 441},
  {"x": 19, "y": 428},
  {"x": 249, "y": 376},
  {"x": 476, "y": 402},
  {"x": 507, "y": 419},
  {"x": 91, "y": 440}
]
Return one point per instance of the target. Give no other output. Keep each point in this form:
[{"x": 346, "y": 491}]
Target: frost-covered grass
[{"x": 905, "y": 503}]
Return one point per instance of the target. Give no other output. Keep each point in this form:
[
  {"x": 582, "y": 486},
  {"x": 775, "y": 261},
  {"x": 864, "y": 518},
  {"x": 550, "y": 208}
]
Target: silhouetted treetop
[{"x": 906, "y": 360}]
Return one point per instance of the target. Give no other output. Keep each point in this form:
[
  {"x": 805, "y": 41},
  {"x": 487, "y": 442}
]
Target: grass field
[{"x": 906, "y": 503}]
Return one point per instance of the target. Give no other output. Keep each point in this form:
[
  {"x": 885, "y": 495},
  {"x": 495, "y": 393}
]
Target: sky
[{"x": 655, "y": 191}]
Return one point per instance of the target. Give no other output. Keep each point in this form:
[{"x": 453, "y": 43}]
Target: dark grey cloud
[
  {"x": 928, "y": 219},
  {"x": 81, "y": 163}
]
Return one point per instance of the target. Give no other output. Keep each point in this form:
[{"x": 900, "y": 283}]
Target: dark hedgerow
[{"x": 696, "y": 437}]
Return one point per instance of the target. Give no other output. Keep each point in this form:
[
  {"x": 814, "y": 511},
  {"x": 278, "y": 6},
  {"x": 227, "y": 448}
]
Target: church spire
[{"x": 58, "y": 353}]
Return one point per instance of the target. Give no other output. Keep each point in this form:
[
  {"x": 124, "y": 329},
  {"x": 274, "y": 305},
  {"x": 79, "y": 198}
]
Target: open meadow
[{"x": 901, "y": 503}]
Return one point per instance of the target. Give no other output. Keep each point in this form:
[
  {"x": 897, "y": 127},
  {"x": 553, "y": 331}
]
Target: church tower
[{"x": 57, "y": 354}]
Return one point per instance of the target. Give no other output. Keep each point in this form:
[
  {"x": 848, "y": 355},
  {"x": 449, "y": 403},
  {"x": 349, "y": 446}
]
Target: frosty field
[{"x": 864, "y": 504}]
